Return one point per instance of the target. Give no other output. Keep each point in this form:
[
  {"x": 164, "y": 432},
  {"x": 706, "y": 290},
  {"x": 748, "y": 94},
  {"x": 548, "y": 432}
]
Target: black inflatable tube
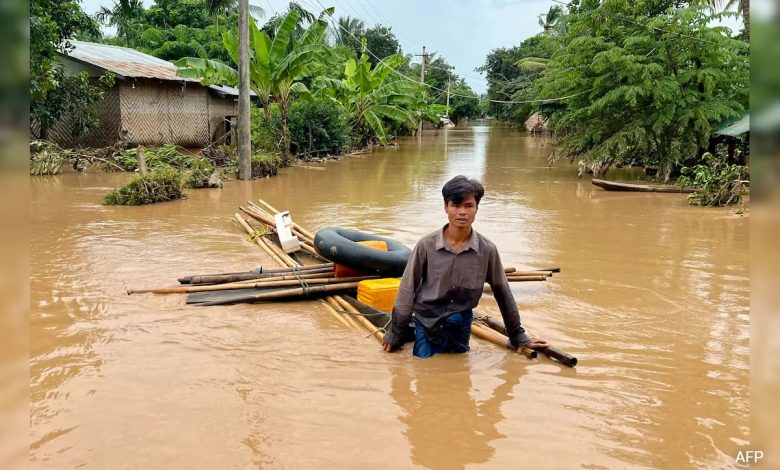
[{"x": 340, "y": 246}]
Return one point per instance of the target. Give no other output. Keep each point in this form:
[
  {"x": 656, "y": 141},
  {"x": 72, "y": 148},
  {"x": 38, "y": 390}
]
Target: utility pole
[
  {"x": 422, "y": 80},
  {"x": 448, "y": 98},
  {"x": 244, "y": 142}
]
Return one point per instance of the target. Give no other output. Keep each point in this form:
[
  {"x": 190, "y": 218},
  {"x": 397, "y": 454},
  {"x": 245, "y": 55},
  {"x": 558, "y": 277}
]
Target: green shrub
[
  {"x": 47, "y": 158},
  {"x": 266, "y": 131},
  {"x": 167, "y": 155},
  {"x": 199, "y": 175},
  {"x": 317, "y": 126},
  {"x": 264, "y": 164},
  {"x": 162, "y": 184},
  {"x": 718, "y": 182}
]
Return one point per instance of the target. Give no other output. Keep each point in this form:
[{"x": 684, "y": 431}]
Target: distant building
[
  {"x": 536, "y": 124},
  {"x": 149, "y": 104}
]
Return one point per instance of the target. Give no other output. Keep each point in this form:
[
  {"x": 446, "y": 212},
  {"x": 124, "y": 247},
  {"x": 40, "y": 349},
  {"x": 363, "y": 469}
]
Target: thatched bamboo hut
[
  {"x": 148, "y": 104},
  {"x": 536, "y": 124}
]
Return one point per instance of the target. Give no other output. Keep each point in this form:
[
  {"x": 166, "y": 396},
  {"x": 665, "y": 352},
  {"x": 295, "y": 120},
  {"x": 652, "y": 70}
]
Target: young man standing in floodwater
[{"x": 444, "y": 278}]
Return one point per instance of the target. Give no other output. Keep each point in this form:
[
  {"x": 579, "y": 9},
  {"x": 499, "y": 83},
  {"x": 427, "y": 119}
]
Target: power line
[{"x": 548, "y": 100}]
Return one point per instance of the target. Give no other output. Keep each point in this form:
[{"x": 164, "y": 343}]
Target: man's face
[{"x": 462, "y": 215}]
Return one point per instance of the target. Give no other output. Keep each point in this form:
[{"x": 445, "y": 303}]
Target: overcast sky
[{"x": 462, "y": 31}]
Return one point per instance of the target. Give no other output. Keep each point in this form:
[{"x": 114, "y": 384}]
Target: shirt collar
[{"x": 472, "y": 243}]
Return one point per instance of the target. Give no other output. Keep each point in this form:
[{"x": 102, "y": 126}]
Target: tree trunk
[
  {"x": 286, "y": 160},
  {"x": 746, "y": 16}
]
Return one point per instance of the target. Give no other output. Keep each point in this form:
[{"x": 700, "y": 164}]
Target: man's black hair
[{"x": 460, "y": 187}]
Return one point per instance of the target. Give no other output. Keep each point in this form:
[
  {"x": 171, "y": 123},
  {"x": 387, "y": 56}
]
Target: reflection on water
[
  {"x": 447, "y": 427},
  {"x": 653, "y": 299}
]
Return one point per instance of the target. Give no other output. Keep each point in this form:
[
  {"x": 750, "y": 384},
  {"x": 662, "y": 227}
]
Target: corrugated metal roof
[
  {"x": 127, "y": 62},
  {"x": 737, "y": 128},
  {"x": 124, "y": 61}
]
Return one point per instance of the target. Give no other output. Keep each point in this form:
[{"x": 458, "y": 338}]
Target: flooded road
[{"x": 652, "y": 299}]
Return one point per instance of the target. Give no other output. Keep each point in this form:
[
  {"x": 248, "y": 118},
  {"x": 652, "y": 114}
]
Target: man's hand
[
  {"x": 388, "y": 347},
  {"x": 535, "y": 343}
]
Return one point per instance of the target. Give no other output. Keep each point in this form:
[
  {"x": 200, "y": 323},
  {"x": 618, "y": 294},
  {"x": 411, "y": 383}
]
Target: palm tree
[
  {"x": 348, "y": 32},
  {"x": 124, "y": 15},
  {"x": 743, "y": 8},
  {"x": 226, "y": 7},
  {"x": 549, "y": 20},
  {"x": 304, "y": 15}
]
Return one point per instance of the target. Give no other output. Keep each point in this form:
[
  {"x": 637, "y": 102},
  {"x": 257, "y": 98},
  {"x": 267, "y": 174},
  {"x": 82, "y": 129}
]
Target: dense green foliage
[
  {"x": 52, "y": 93},
  {"x": 266, "y": 129},
  {"x": 719, "y": 182},
  {"x": 287, "y": 52},
  {"x": 368, "y": 95},
  {"x": 511, "y": 75},
  {"x": 317, "y": 126},
  {"x": 381, "y": 41},
  {"x": 265, "y": 164},
  {"x": 655, "y": 86},
  {"x": 276, "y": 66},
  {"x": 163, "y": 184},
  {"x": 625, "y": 82}
]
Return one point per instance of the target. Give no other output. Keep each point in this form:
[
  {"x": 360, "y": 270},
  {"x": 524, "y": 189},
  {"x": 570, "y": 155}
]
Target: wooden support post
[{"x": 141, "y": 160}]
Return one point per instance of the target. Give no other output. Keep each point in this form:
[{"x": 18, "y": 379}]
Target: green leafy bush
[
  {"x": 46, "y": 158},
  {"x": 265, "y": 164},
  {"x": 719, "y": 183},
  {"x": 162, "y": 184},
  {"x": 199, "y": 175},
  {"x": 266, "y": 130},
  {"x": 317, "y": 126}
]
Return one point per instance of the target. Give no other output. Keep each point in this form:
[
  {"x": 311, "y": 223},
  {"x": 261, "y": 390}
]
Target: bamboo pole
[
  {"x": 271, "y": 224},
  {"x": 273, "y": 211},
  {"x": 260, "y": 243},
  {"x": 251, "y": 275},
  {"x": 376, "y": 332},
  {"x": 525, "y": 278},
  {"x": 287, "y": 293},
  {"x": 282, "y": 281},
  {"x": 531, "y": 273},
  {"x": 336, "y": 314},
  {"x": 305, "y": 244},
  {"x": 549, "y": 351},
  {"x": 499, "y": 339},
  {"x": 331, "y": 300},
  {"x": 290, "y": 275},
  {"x": 281, "y": 254}
]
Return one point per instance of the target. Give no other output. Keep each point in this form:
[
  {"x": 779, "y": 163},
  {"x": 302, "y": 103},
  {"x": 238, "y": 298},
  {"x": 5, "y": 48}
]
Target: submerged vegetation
[
  {"x": 719, "y": 182},
  {"x": 162, "y": 184}
]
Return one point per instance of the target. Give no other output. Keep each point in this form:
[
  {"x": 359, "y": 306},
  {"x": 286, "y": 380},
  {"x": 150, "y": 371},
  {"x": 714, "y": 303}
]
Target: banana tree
[
  {"x": 368, "y": 96},
  {"x": 275, "y": 66}
]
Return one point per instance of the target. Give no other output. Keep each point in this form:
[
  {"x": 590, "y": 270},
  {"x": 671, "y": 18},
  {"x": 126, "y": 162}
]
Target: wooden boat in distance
[{"x": 646, "y": 188}]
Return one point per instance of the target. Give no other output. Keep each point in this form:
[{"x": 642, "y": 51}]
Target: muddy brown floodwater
[{"x": 652, "y": 299}]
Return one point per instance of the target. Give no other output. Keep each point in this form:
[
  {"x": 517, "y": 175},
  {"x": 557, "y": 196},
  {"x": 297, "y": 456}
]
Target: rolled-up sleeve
[
  {"x": 496, "y": 278},
  {"x": 404, "y": 300}
]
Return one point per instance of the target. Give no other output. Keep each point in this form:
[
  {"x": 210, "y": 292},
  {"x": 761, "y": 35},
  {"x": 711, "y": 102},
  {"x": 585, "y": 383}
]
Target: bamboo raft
[{"x": 315, "y": 278}]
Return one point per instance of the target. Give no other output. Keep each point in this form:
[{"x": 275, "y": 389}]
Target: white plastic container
[{"x": 290, "y": 242}]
